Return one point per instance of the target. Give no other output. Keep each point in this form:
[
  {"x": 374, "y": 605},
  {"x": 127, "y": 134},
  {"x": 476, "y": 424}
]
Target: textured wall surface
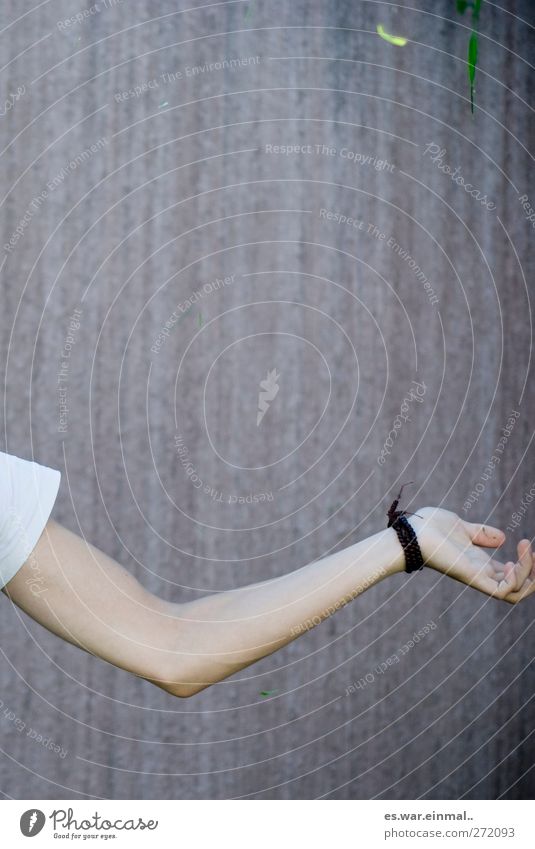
[{"x": 121, "y": 203}]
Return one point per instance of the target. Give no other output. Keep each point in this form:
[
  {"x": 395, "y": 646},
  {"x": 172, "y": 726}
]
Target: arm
[{"x": 88, "y": 599}]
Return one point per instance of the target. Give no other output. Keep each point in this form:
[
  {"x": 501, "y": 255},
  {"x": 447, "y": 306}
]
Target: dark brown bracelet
[{"x": 397, "y": 519}]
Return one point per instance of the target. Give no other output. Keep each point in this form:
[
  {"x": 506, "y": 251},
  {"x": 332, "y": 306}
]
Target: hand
[{"x": 455, "y": 547}]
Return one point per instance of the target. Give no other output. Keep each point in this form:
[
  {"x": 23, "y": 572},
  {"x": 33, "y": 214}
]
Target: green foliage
[
  {"x": 472, "y": 57},
  {"x": 472, "y": 62},
  {"x": 462, "y": 6},
  {"x": 475, "y": 6}
]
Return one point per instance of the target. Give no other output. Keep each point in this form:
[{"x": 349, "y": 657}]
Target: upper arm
[{"x": 28, "y": 492}]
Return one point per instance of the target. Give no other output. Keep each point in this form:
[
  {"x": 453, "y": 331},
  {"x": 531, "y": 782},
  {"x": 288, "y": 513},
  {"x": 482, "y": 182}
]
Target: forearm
[{"x": 226, "y": 632}]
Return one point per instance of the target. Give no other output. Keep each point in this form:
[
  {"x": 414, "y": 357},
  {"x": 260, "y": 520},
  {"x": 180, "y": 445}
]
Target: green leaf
[
  {"x": 475, "y": 6},
  {"x": 399, "y": 40},
  {"x": 472, "y": 57},
  {"x": 472, "y": 62}
]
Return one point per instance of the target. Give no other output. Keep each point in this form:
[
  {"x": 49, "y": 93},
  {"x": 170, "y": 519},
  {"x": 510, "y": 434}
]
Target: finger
[
  {"x": 521, "y": 570},
  {"x": 485, "y": 535},
  {"x": 525, "y": 561},
  {"x": 527, "y": 589},
  {"x": 508, "y": 569},
  {"x": 531, "y": 573},
  {"x": 517, "y": 573},
  {"x": 507, "y": 584},
  {"x": 524, "y": 572},
  {"x": 499, "y": 579}
]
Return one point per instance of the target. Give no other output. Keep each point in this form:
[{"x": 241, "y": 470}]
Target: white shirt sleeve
[{"x": 27, "y": 495}]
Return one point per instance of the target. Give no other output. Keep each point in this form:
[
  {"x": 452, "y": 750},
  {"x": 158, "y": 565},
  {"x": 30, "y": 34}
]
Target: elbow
[
  {"x": 179, "y": 689},
  {"x": 179, "y": 683},
  {"x": 186, "y": 691}
]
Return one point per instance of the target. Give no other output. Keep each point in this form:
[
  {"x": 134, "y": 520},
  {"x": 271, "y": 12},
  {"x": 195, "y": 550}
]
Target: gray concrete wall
[{"x": 180, "y": 189}]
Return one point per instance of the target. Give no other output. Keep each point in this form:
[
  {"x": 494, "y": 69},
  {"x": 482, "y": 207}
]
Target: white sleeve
[{"x": 27, "y": 495}]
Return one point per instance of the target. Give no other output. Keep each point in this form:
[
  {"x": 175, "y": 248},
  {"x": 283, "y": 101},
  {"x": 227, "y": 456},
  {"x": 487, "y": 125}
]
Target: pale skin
[{"x": 79, "y": 593}]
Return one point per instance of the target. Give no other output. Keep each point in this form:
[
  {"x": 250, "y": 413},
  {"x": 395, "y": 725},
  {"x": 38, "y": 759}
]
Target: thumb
[{"x": 485, "y": 535}]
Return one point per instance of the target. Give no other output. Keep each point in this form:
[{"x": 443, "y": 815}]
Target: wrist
[
  {"x": 394, "y": 552},
  {"x": 376, "y": 557},
  {"x": 425, "y": 536}
]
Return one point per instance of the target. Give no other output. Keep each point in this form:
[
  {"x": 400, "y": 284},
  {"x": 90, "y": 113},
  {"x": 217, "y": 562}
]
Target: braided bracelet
[{"x": 406, "y": 535}]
